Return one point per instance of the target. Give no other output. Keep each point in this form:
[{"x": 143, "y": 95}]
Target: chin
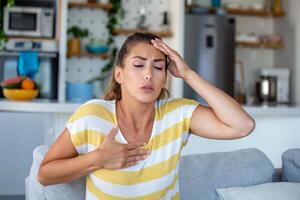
[{"x": 147, "y": 98}]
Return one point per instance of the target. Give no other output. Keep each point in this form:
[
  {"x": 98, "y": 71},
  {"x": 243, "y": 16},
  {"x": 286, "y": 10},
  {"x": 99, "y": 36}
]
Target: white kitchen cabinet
[{"x": 20, "y": 133}]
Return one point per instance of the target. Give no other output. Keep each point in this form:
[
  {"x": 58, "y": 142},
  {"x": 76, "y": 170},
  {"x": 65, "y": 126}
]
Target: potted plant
[
  {"x": 74, "y": 43},
  {"x": 115, "y": 17},
  {"x": 3, "y": 37}
]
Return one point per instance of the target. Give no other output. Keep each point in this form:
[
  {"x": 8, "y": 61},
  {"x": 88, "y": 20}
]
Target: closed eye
[
  {"x": 159, "y": 68},
  {"x": 138, "y": 65}
]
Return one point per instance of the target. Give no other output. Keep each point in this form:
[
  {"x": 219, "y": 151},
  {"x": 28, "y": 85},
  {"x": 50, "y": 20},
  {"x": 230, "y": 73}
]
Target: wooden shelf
[
  {"x": 258, "y": 13},
  {"x": 260, "y": 45},
  {"x": 38, "y": 39},
  {"x": 130, "y": 31},
  {"x": 16, "y": 54},
  {"x": 103, "y": 6},
  {"x": 90, "y": 55},
  {"x": 243, "y": 12}
]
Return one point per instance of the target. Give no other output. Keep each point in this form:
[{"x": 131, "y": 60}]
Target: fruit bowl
[{"x": 20, "y": 94}]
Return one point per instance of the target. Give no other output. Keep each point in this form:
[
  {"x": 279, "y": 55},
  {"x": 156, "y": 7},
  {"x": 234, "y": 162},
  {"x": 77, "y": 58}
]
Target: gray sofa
[{"x": 199, "y": 175}]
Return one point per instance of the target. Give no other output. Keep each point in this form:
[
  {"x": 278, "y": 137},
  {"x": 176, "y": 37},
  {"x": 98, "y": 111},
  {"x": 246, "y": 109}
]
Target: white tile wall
[{"x": 84, "y": 69}]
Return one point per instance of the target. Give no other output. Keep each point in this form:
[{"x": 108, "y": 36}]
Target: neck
[{"x": 134, "y": 113}]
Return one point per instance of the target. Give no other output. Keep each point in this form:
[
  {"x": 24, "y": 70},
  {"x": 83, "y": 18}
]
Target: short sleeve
[
  {"x": 188, "y": 107},
  {"x": 90, "y": 124},
  {"x": 78, "y": 131}
]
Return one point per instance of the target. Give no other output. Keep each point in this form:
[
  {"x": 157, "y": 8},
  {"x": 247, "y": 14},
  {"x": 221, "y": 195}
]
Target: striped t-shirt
[{"x": 154, "y": 178}]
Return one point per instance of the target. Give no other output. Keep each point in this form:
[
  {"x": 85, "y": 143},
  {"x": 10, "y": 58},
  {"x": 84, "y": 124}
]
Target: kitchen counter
[
  {"x": 273, "y": 111},
  {"x": 44, "y": 106},
  {"x": 47, "y": 106}
]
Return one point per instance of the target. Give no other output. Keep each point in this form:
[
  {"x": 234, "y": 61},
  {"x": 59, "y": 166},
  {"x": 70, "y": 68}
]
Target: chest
[{"x": 132, "y": 134}]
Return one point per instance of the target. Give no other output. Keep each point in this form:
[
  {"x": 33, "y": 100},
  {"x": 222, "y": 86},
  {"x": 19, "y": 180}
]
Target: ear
[{"x": 118, "y": 74}]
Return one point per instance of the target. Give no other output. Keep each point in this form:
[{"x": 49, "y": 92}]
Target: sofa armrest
[
  {"x": 35, "y": 191},
  {"x": 291, "y": 165}
]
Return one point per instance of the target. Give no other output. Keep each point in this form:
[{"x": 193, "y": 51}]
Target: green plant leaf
[
  {"x": 115, "y": 16},
  {"x": 78, "y": 32},
  {"x": 3, "y": 37}
]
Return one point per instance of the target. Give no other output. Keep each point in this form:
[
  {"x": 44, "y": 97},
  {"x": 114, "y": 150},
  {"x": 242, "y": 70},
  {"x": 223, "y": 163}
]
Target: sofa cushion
[
  {"x": 272, "y": 191},
  {"x": 35, "y": 191},
  {"x": 291, "y": 165},
  {"x": 201, "y": 174}
]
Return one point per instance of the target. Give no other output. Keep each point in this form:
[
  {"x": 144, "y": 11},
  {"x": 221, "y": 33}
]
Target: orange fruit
[{"x": 27, "y": 84}]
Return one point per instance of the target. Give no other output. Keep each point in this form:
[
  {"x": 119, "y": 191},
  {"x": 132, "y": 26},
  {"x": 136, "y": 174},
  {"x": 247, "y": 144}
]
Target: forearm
[
  {"x": 226, "y": 109},
  {"x": 66, "y": 170}
]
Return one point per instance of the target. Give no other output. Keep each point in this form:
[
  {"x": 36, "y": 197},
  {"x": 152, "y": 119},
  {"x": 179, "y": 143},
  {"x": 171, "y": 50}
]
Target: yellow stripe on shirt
[
  {"x": 143, "y": 175},
  {"x": 95, "y": 110},
  {"x": 172, "y": 105},
  {"x": 153, "y": 196},
  {"x": 93, "y": 138},
  {"x": 163, "y": 138},
  {"x": 170, "y": 134}
]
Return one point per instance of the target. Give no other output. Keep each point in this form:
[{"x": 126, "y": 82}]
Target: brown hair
[{"x": 114, "y": 92}]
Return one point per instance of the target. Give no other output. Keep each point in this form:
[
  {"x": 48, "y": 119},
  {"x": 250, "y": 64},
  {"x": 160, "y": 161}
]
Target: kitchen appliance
[
  {"x": 29, "y": 21},
  {"x": 266, "y": 89},
  {"x": 283, "y": 82},
  {"x": 209, "y": 49},
  {"x": 14, "y": 44},
  {"x": 47, "y": 76}
]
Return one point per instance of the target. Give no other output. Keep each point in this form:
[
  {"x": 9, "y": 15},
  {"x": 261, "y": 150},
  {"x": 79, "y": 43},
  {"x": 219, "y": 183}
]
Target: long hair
[{"x": 114, "y": 92}]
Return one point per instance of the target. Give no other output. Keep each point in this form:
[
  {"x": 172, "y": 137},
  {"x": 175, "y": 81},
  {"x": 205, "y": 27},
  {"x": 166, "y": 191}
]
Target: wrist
[
  {"x": 188, "y": 74},
  {"x": 94, "y": 160}
]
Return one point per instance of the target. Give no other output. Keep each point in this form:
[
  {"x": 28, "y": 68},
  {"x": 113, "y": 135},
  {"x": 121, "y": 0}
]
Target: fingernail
[{"x": 145, "y": 144}]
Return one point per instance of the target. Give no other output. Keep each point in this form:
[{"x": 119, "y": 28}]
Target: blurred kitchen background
[{"x": 247, "y": 48}]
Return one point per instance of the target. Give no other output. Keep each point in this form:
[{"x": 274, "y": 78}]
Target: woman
[{"x": 129, "y": 144}]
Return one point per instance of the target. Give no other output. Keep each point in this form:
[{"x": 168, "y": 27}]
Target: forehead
[{"x": 145, "y": 50}]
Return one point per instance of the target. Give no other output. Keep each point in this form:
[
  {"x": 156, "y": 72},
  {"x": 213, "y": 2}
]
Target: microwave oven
[{"x": 29, "y": 21}]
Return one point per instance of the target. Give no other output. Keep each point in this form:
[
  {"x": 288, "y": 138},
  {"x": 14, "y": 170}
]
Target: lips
[{"x": 147, "y": 88}]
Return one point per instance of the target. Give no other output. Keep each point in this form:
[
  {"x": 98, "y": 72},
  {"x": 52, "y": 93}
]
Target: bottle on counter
[
  {"x": 277, "y": 7},
  {"x": 239, "y": 83},
  {"x": 165, "y": 23}
]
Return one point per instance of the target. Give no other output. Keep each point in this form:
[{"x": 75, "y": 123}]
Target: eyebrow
[{"x": 154, "y": 60}]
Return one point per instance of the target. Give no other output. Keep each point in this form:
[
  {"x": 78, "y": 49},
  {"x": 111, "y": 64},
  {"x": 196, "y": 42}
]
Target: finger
[
  {"x": 159, "y": 47},
  {"x": 164, "y": 45},
  {"x": 129, "y": 164},
  {"x": 165, "y": 48},
  {"x": 136, "y": 158},
  {"x": 138, "y": 152},
  {"x": 112, "y": 134},
  {"x": 134, "y": 145}
]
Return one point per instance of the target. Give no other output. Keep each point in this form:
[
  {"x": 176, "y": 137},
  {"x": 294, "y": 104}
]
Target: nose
[
  {"x": 148, "y": 78},
  {"x": 148, "y": 74}
]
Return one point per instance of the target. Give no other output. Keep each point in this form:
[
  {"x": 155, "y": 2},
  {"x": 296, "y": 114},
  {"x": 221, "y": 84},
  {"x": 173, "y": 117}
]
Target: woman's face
[{"x": 143, "y": 75}]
